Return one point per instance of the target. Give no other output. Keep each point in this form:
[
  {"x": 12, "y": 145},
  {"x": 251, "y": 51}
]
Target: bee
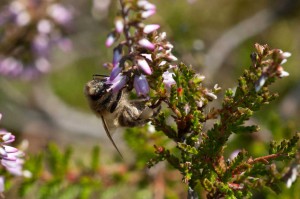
[{"x": 115, "y": 109}]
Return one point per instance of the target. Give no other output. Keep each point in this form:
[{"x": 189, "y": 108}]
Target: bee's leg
[
  {"x": 116, "y": 102},
  {"x": 105, "y": 102},
  {"x": 131, "y": 117}
]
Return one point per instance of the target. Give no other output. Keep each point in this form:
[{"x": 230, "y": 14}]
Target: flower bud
[
  {"x": 119, "y": 24},
  {"x": 117, "y": 55},
  {"x": 110, "y": 39},
  {"x": 260, "y": 82},
  {"x": 146, "y": 5},
  {"x": 8, "y": 137},
  {"x": 147, "y": 13},
  {"x": 146, "y": 44},
  {"x": 144, "y": 66},
  {"x": 150, "y": 28},
  {"x": 141, "y": 85},
  {"x": 281, "y": 73}
]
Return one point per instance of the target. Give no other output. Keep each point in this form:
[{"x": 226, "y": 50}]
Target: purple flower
[
  {"x": 41, "y": 45},
  {"x": 117, "y": 83},
  {"x": 45, "y": 31},
  {"x": 117, "y": 55},
  {"x": 168, "y": 79},
  {"x": 144, "y": 66},
  {"x": 115, "y": 72},
  {"x": 146, "y": 44},
  {"x": 60, "y": 14},
  {"x": 11, "y": 157},
  {"x": 141, "y": 85}
]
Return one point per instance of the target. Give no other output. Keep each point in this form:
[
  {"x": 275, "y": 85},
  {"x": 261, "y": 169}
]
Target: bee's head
[{"x": 95, "y": 89}]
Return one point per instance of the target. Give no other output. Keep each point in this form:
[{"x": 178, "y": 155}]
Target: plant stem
[{"x": 126, "y": 27}]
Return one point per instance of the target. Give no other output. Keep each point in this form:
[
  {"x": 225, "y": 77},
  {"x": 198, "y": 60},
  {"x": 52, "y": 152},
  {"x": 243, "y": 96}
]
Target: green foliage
[
  {"x": 201, "y": 157},
  {"x": 53, "y": 176}
]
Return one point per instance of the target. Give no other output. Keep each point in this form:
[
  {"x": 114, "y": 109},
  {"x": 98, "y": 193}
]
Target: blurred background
[{"x": 215, "y": 37}]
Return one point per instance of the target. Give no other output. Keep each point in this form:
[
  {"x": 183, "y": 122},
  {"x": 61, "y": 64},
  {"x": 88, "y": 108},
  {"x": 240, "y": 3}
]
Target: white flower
[{"x": 168, "y": 79}]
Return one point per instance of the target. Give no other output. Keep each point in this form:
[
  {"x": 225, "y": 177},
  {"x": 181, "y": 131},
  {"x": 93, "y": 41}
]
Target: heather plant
[
  {"x": 143, "y": 60},
  {"x": 177, "y": 143},
  {"x": 11, "y": 159},
  {"x": 29, "y": 30}
]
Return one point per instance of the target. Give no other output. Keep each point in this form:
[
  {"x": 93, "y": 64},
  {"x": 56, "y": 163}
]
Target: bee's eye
[{"x": 97, "y": 94}]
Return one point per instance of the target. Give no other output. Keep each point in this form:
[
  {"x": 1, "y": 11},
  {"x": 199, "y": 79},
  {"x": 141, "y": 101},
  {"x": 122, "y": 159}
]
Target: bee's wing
[{"x": 109, "y": 135}]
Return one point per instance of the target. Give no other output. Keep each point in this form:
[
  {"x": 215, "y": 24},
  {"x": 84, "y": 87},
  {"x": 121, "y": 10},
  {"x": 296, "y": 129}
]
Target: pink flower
[
  {"x": 168, "y": 79},
  {"x": 119, "y": 24},
  {"x": 146, "y": 44},
  {"x": 147, "y": 13},
  {"x": 110, "y": 40},
  {"x": 60, "y": 14},
  {"x": 144, "y": 66},
  {"x": 150, "y": 28}
]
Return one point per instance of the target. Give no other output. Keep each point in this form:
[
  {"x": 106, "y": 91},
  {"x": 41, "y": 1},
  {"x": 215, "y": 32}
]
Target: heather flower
[
  {"x": 282, "y": 73},
  {"x": 146, "y": 5},
  {"x": 146, "y": 44},
  {"x": 1, "y": 184},
  {"x": 117, "y": 55},
  {"x": 261, "y": 82},
  {"x": 48, "y": 28},
  {"x": 115, "y": 72},
  {"x": 10, "y": 157},
  {"x": 144, "y": 66},
  {"x": 168, "y": 79},
  {"x": 150, "y": 28},
  {"x": 117, "y": 83},
  {"x": 141, "y": 85},
  {"x": 60, "y": 14},
  {"x": 210, "y": 95},
  {"x": 291, "y": 175},
  {"x": 110, "y": 40},
  {"x": 140, "y": 61},
  {"x": 119, "y": 24}
]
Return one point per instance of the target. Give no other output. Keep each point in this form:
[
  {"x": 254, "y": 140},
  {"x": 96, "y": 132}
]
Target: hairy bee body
[{"x": 115, "y": 109}]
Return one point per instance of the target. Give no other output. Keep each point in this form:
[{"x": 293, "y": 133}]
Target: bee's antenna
[
  {"x": 98, "y": 75},
  {"x": 109, "y": 136}
]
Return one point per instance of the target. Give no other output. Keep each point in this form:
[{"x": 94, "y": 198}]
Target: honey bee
[{"x": 115, "y": 109}]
